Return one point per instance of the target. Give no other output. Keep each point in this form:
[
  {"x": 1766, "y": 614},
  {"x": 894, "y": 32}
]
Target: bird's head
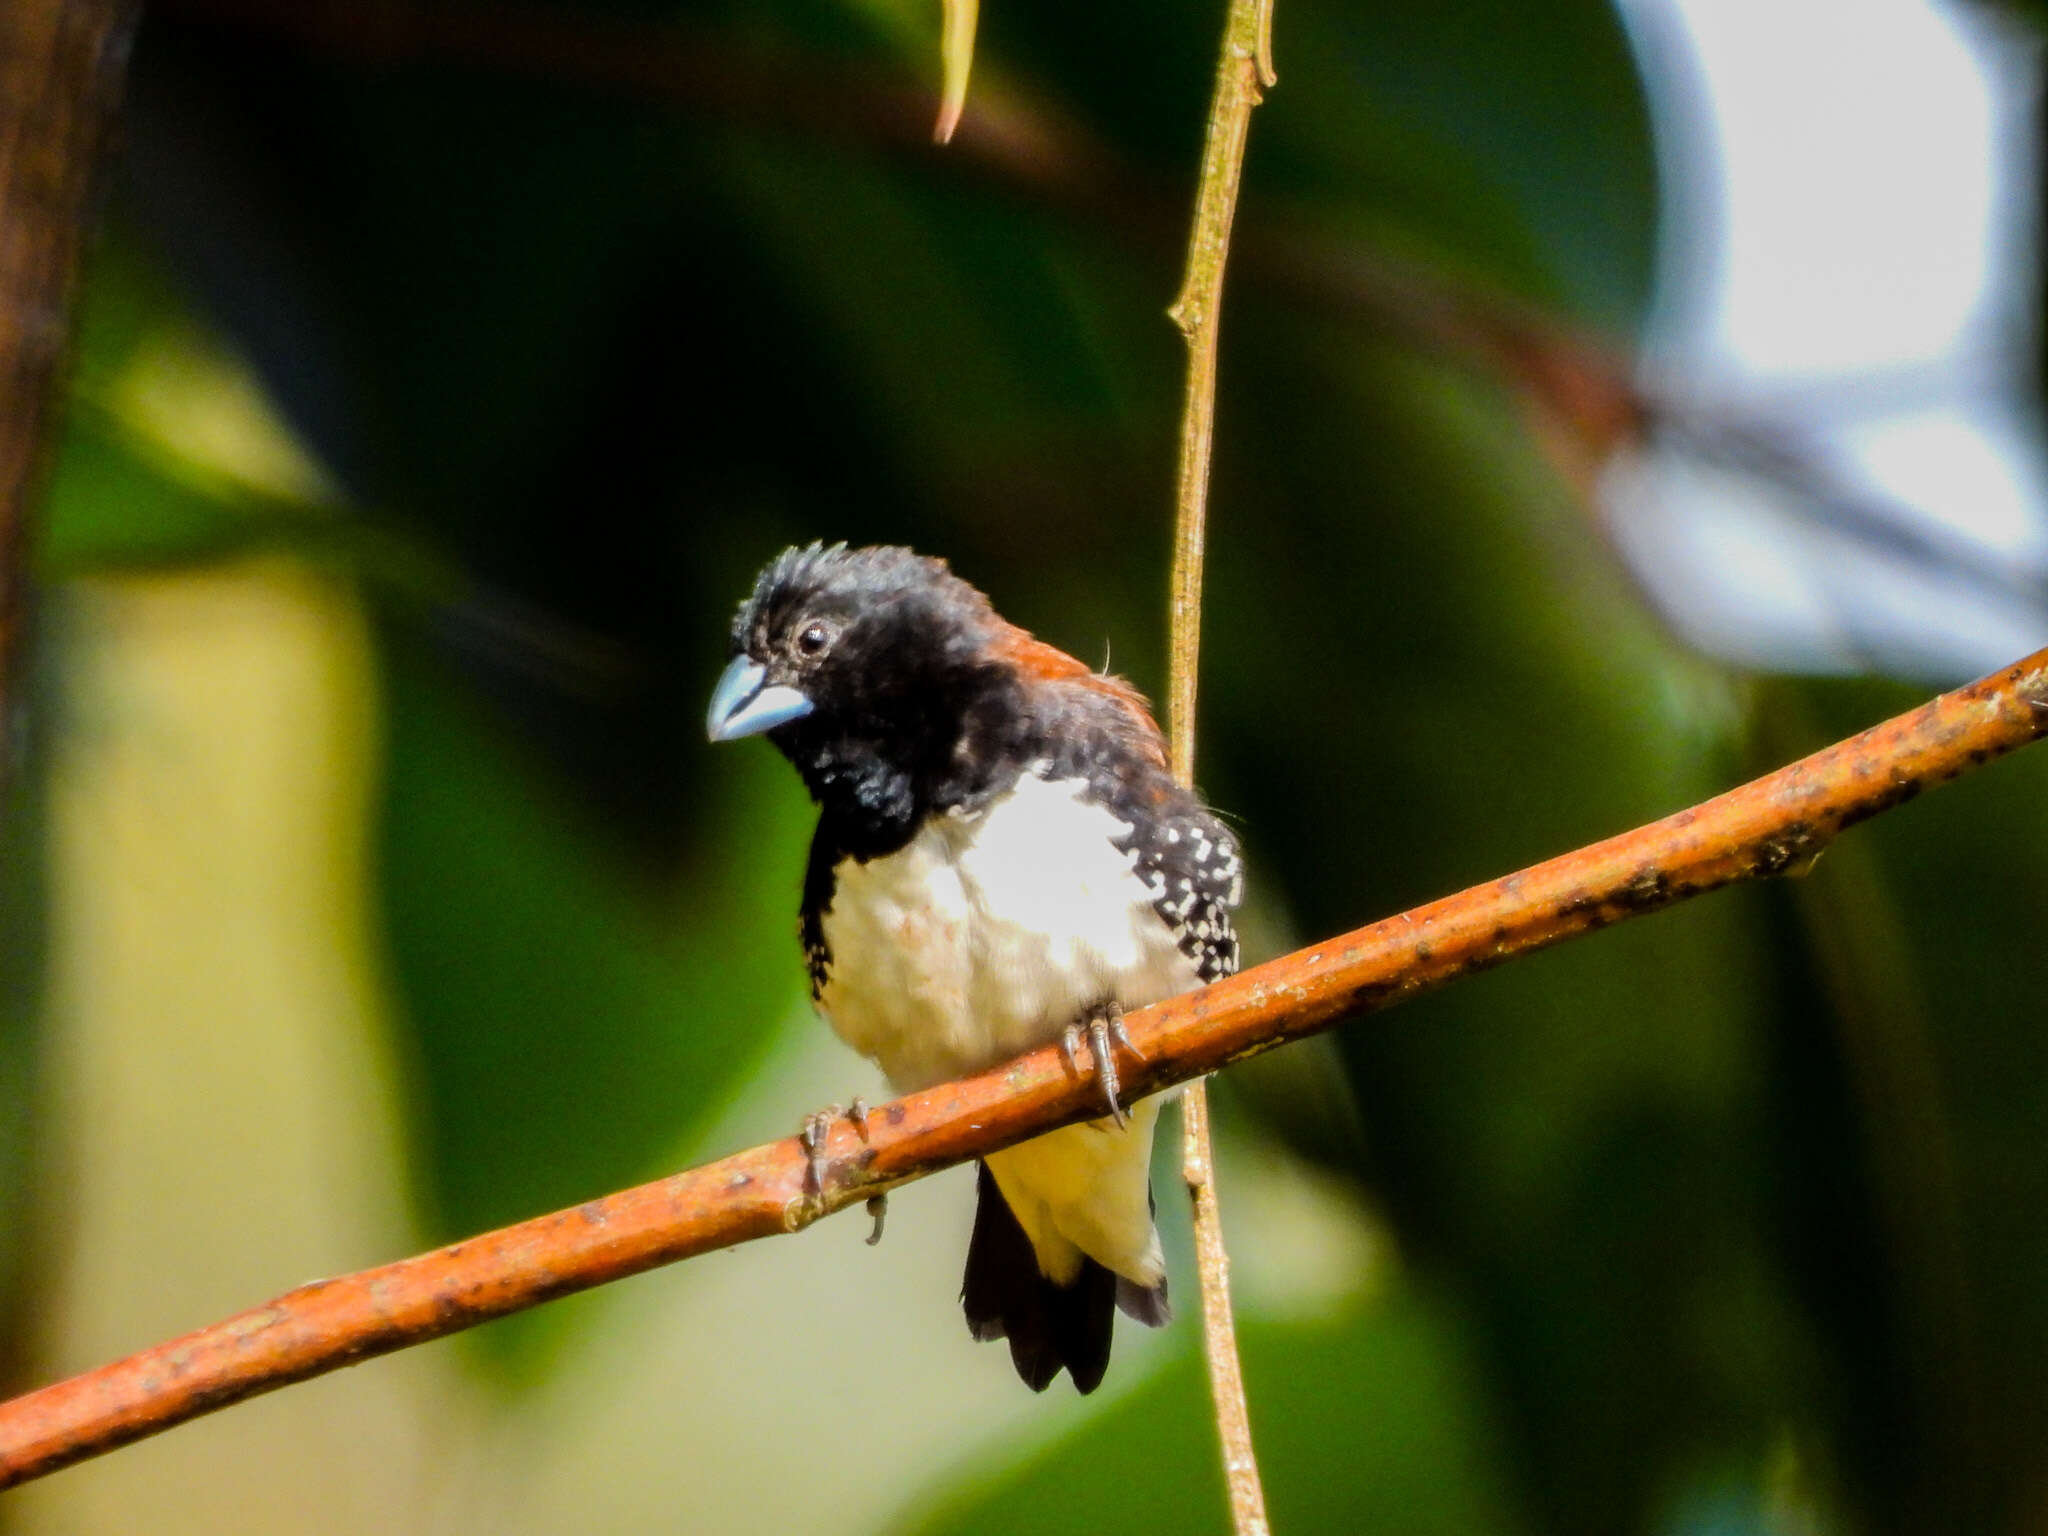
[{"x": 865, "y": 667}]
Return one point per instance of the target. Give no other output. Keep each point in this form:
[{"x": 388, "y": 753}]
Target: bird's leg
[{"x": 1105, "y": 1030}]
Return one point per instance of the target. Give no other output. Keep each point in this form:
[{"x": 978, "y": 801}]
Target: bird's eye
[{"x": 813, "y": 639}]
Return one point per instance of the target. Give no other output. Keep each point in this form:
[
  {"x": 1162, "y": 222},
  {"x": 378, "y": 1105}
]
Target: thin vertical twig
[{"x": 1245, "y": 67}]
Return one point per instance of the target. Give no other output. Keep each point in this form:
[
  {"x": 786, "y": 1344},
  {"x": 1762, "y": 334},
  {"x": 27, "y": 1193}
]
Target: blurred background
[{"x": 1618, "y": 399}]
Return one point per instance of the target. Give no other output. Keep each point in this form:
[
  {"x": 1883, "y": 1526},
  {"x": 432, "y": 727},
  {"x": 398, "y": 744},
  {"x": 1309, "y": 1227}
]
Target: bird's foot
[
  {"x": 1106, "y": 1035},
  {"x": 816, "y": 1132}
]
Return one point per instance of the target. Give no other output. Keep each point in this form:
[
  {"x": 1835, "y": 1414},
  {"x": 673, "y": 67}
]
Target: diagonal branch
[{"x": 1774, "y": 825}]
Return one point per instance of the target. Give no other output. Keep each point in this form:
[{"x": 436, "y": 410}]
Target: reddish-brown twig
[{"x": 1773, "y": 825}]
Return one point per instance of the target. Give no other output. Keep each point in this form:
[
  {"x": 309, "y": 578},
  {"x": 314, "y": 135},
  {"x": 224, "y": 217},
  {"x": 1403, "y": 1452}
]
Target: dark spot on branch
[
  {"x": 1775, "y": 854},
  {"x": 1373, "y": 993},
  {"x": 1647, "y": 887},
  {"x": 1896, "y": 793}
]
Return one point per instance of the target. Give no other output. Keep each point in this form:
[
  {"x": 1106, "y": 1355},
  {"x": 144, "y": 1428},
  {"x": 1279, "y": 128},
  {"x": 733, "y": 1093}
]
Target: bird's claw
[
  {"x": 1121, "y": 1037},
  {"x": 878, "y": 1207},
  {"x": 1106, "y": 1034}
]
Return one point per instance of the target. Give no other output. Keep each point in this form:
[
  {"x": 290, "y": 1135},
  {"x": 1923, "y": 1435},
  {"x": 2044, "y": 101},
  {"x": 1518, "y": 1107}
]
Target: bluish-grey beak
[{"x": 745, "y": 703}]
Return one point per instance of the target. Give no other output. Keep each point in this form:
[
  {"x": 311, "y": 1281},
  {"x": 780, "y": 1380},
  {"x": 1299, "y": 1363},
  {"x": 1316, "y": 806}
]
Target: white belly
[{"x": 990, "y": 933}]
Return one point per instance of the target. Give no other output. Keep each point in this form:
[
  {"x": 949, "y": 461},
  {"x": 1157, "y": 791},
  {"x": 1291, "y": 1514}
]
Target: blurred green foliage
[
  {"x": 1739, "y": 1188},
  {"x": 1418, "y": 1452}
]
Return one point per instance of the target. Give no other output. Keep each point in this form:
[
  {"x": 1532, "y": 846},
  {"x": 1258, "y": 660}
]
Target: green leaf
[
  {"x": 108, "y": 507},
  {"x": 169, "y": 450}
]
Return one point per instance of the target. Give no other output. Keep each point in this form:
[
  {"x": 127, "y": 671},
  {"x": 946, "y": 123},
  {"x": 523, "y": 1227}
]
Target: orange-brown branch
[{"x": 1775, "y": 824}]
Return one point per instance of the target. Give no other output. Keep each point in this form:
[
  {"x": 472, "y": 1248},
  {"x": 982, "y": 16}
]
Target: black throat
[{"x": 906, "y": 749}]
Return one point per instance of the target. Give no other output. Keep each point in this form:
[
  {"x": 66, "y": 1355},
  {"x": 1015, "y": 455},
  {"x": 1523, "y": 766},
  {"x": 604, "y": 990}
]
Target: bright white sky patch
[
  {"x": 1965, "y": 466},
  {"x": 1850, "y": 205},
  {"x": 1857, "y": 149}
]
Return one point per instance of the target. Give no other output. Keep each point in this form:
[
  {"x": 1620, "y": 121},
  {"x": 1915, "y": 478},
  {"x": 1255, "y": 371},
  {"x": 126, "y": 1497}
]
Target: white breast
[{"x": 990, "y": 933}]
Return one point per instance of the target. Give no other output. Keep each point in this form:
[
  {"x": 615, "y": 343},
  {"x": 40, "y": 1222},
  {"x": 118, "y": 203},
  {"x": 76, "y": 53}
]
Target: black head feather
[
  {"x": 831, "y": 580},
  {"x": 894, "y": 652}
]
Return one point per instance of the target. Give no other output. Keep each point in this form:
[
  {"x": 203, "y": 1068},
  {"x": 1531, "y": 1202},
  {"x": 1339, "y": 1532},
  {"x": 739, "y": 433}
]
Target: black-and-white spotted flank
[{"x": 1191, "y": 865}]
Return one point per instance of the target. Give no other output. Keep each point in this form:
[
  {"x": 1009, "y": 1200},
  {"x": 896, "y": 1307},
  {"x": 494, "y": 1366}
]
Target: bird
[{"x": 1002, "y": 861}]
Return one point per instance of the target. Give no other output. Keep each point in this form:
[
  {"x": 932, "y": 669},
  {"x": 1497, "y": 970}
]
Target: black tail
[{"x": 1048, "y": 1326}]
